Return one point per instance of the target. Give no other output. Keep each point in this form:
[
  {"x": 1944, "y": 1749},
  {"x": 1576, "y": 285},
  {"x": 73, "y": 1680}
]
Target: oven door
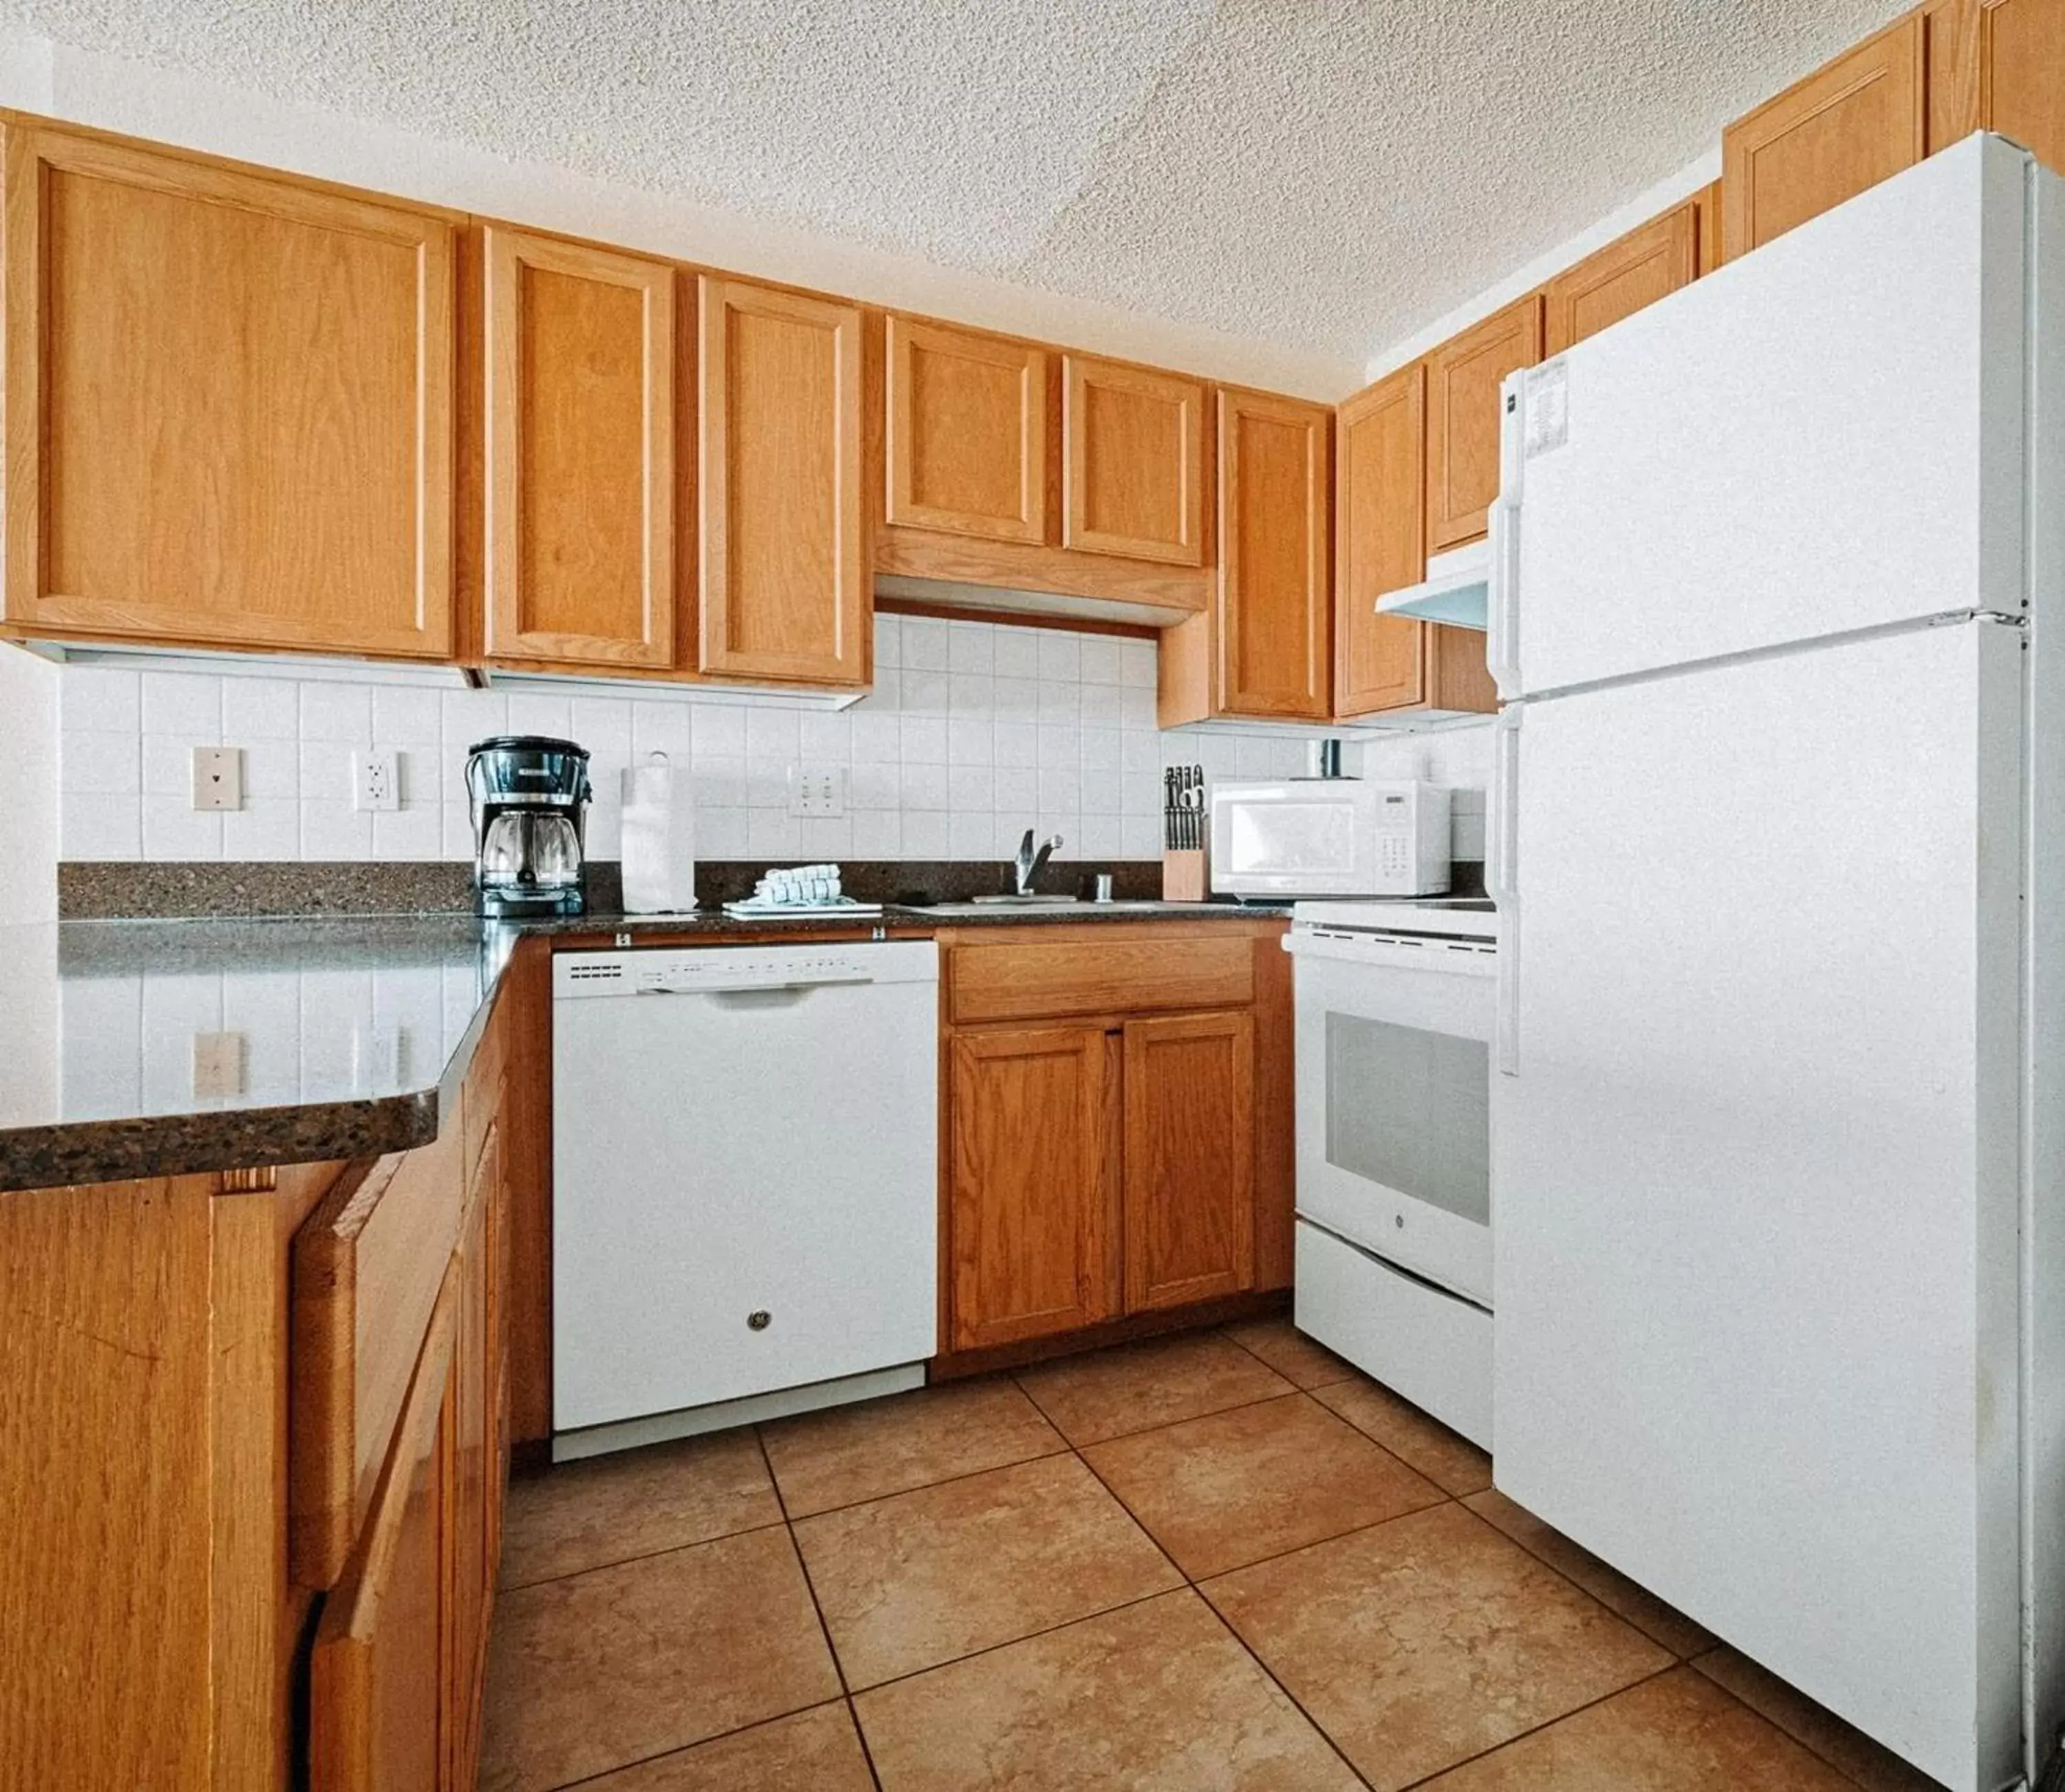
[{"x": 1393, "y": 1081}]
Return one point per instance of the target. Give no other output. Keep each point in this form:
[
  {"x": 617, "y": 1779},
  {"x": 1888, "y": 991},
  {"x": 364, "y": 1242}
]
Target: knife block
[{"x": 1183, "y": 877}]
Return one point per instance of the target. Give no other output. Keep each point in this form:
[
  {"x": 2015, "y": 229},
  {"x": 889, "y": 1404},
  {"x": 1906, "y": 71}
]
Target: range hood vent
[{"x": 1456, "y": 590}]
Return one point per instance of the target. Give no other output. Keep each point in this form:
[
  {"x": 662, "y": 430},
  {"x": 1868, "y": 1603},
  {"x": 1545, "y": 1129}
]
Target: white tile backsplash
[{"x": 974, "y": 732}]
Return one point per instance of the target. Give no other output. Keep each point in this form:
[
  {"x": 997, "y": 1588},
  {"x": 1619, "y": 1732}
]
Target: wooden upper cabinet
[
  {"x": 1998, "y": 65},
  {"x": 1389, "y": 663},
  {"x": 1621, "y": 278},
  {"x": 1276, "y": 551},
  {"x": 1380, "y": 515},
  {"x": 228, "y": 405},
  {"x": 581, "y": 445},
  {"x": 1847, "y": 127},
  {"x": 1134, "y": 455},
  {"x": 968, "y": 432},
  {"x": 1190, "y": 1159},
  {"x": 785, "y": 586},
  {"x": 1033, "y": 1225},
  {"x": 1463, "y": 377}
]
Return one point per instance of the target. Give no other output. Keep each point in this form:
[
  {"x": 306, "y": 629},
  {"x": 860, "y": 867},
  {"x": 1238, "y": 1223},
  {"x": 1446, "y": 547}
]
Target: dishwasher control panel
[{"x": 695, "y": 970}]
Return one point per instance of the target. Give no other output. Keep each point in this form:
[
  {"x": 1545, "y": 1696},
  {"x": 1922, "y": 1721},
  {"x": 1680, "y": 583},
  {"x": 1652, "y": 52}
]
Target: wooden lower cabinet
[
  {"x": 377, "y": 1678},
  {"x": 1190, "y": 1158},
  {"x": 1032, "y": 1206},
  {"x": 1114, "y": 1164}
]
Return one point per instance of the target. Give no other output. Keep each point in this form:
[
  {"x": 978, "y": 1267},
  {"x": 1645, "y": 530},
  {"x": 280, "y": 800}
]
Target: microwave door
[{"x": 1297, "y": 847}]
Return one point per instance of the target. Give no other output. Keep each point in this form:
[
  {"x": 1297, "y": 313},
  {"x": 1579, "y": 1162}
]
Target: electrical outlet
[
  {"x": 816, "y": 790},
  {"x": 376, "y": 780},
  {"x": 218, "y": 777},
  {"x": 218, "y": 1065}
]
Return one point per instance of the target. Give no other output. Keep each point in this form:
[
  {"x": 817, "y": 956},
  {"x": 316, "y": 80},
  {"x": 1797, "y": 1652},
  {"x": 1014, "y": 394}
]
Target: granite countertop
[{"x": 146, "y": 1048}]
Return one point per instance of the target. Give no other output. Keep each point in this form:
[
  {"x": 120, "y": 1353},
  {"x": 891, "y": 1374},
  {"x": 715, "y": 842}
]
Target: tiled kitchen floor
[{"x": 1219, "y": 1560}]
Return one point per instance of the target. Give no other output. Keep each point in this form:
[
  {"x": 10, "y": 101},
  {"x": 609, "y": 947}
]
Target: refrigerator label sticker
[{"x": 1548, "y": 418}]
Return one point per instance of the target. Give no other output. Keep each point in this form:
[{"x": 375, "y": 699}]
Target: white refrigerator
[{"x": 1779, "y": 608}]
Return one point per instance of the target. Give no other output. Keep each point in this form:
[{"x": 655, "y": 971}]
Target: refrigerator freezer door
[
  {"x": 1755, "y": 1179},
  {"x": 1821, "y": 437}
]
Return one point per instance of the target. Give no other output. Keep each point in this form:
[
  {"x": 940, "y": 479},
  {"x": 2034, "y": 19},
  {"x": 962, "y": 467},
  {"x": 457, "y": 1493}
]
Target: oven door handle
[{"x": 1503, "y": 880}]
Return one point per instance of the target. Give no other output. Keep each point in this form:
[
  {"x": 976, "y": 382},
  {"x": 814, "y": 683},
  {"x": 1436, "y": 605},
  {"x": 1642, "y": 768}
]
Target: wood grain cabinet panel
[
  {"x": 785, "y": 586},
  {"x": 1190, "y": 1159},
  {"x": 1847, "y": 127},
  {"x": 1275, "y": 616},
  {"x": 1039, "y": 980},
  {"x": 1134, "y": 455},
  {"x": 229, "y": 406},
  {"x": 1998, "y": 65},
  {"x": 1392, "y": 663},
  {"x": 378, "y": 1722},
  {"x": 1463, "y": 377},
  {"x": 1617, "y": 281},
  {"x": 1031, "y": 1225},
  {"x": 967, "y": 432},
  {"x": 580, "y": 445}
]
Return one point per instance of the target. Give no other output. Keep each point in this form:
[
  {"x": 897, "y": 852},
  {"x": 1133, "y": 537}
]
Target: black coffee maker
[{"x": 529, "y": 796}]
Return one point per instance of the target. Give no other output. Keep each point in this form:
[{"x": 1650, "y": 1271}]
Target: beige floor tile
[
  {"x": 1292, "y": 1354},
  {"x": 1232, "y": 1487},
  {"x": 1874, "y": 1767},
  {"x": 1446, "y": 1458},
  {"x": 1109, "y": 1393},
  {"x": 920, "y": 1578},
  {"x": 600, "y": 1669},
  {"x": 1609, "y": 1586},
  {"x": 1675, "y": 1733},
  {"x": 846, "y": 1455},
  {"x": 1424, "y": 1641},
  {"x": 1155, "y": 1698},
  {"x": 816, "y": 1750},
  {"x": 586, "y": 1515}
]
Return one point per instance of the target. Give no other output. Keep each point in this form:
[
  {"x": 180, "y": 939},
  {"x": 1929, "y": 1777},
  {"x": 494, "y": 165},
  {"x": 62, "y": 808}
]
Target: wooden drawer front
[
  {"x": 1090, "y": 976},
  {"x": 367, "y": 1268}
]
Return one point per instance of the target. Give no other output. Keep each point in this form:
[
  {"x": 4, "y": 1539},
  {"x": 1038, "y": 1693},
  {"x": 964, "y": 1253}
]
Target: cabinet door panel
[
  {"x": 229, "y": 406},
  {"x": 1134, "y": 455},
  {"x": 1998, "y": 65},
  {"x": 1847, "y": 127},
  {"x": 1463, "y": 378},
  {"x": 580, "y": 438},
  {"x": 967, "y": 432},
  {"x": 785, "y": 580},
  {"x": 1275, "y": 584},
  {"x": 1190, "y": 1159},
  {"x": 1619, "y": 279},
  {"x": 377, "y": 1721},
  {"x": 1380, "y": 515},
  {"x": 1032, "y": 1230}
]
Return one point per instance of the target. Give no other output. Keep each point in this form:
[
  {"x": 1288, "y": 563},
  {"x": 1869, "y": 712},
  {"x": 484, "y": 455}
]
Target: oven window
[{"x": 1411, "y": 1110}]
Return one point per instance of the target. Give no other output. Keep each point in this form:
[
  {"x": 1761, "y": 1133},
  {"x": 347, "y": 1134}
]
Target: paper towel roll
[{"x": 659, "y": 840}]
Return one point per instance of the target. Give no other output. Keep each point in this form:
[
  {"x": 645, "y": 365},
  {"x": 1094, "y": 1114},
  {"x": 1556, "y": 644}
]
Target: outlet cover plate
[
  {"x": 376, "y": 779},
  {"x": 218, "y": 1066},
  {"x": 218, "y": 777},
  {"x": 816, "y": 790}
]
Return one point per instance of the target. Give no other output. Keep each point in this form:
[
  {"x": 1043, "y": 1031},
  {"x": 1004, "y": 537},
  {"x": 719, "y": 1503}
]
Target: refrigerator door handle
[
  {"x": 1502, "y": 882},
  {"x": 1502, "y": 525}
]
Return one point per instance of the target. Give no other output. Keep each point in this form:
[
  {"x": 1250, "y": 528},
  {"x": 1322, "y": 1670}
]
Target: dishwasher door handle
[{"x": 784, "y": 992}]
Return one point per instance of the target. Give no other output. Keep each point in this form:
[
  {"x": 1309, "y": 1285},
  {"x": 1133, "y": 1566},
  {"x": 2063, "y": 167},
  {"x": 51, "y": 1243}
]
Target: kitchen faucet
[{"x": 1029, "y": 864}]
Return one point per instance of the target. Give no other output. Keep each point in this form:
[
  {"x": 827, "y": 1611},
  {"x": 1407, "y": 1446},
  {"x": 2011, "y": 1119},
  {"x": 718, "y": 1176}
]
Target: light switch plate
[
  {"x": 218, "y": 777},
  {"x": 816, "y": 790},
  {"x": 376, "y": 780},
  {"x": 218, "y": 1065}
]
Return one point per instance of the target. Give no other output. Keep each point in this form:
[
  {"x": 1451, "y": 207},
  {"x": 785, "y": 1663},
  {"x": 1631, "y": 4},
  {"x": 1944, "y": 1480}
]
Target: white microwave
[{"x": 1329, "y": 837}]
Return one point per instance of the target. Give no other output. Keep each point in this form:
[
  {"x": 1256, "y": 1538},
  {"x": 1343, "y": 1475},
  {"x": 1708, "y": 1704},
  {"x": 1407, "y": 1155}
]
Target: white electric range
[{"x": 1395, "y": 1003}]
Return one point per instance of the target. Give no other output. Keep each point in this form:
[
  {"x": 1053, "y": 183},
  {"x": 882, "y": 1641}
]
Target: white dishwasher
[{"x": 745, "y": 1184}]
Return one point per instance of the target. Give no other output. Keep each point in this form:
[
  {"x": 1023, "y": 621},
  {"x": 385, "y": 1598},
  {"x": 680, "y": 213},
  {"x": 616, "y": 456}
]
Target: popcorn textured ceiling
[{"x": 1326, "y": 175}]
